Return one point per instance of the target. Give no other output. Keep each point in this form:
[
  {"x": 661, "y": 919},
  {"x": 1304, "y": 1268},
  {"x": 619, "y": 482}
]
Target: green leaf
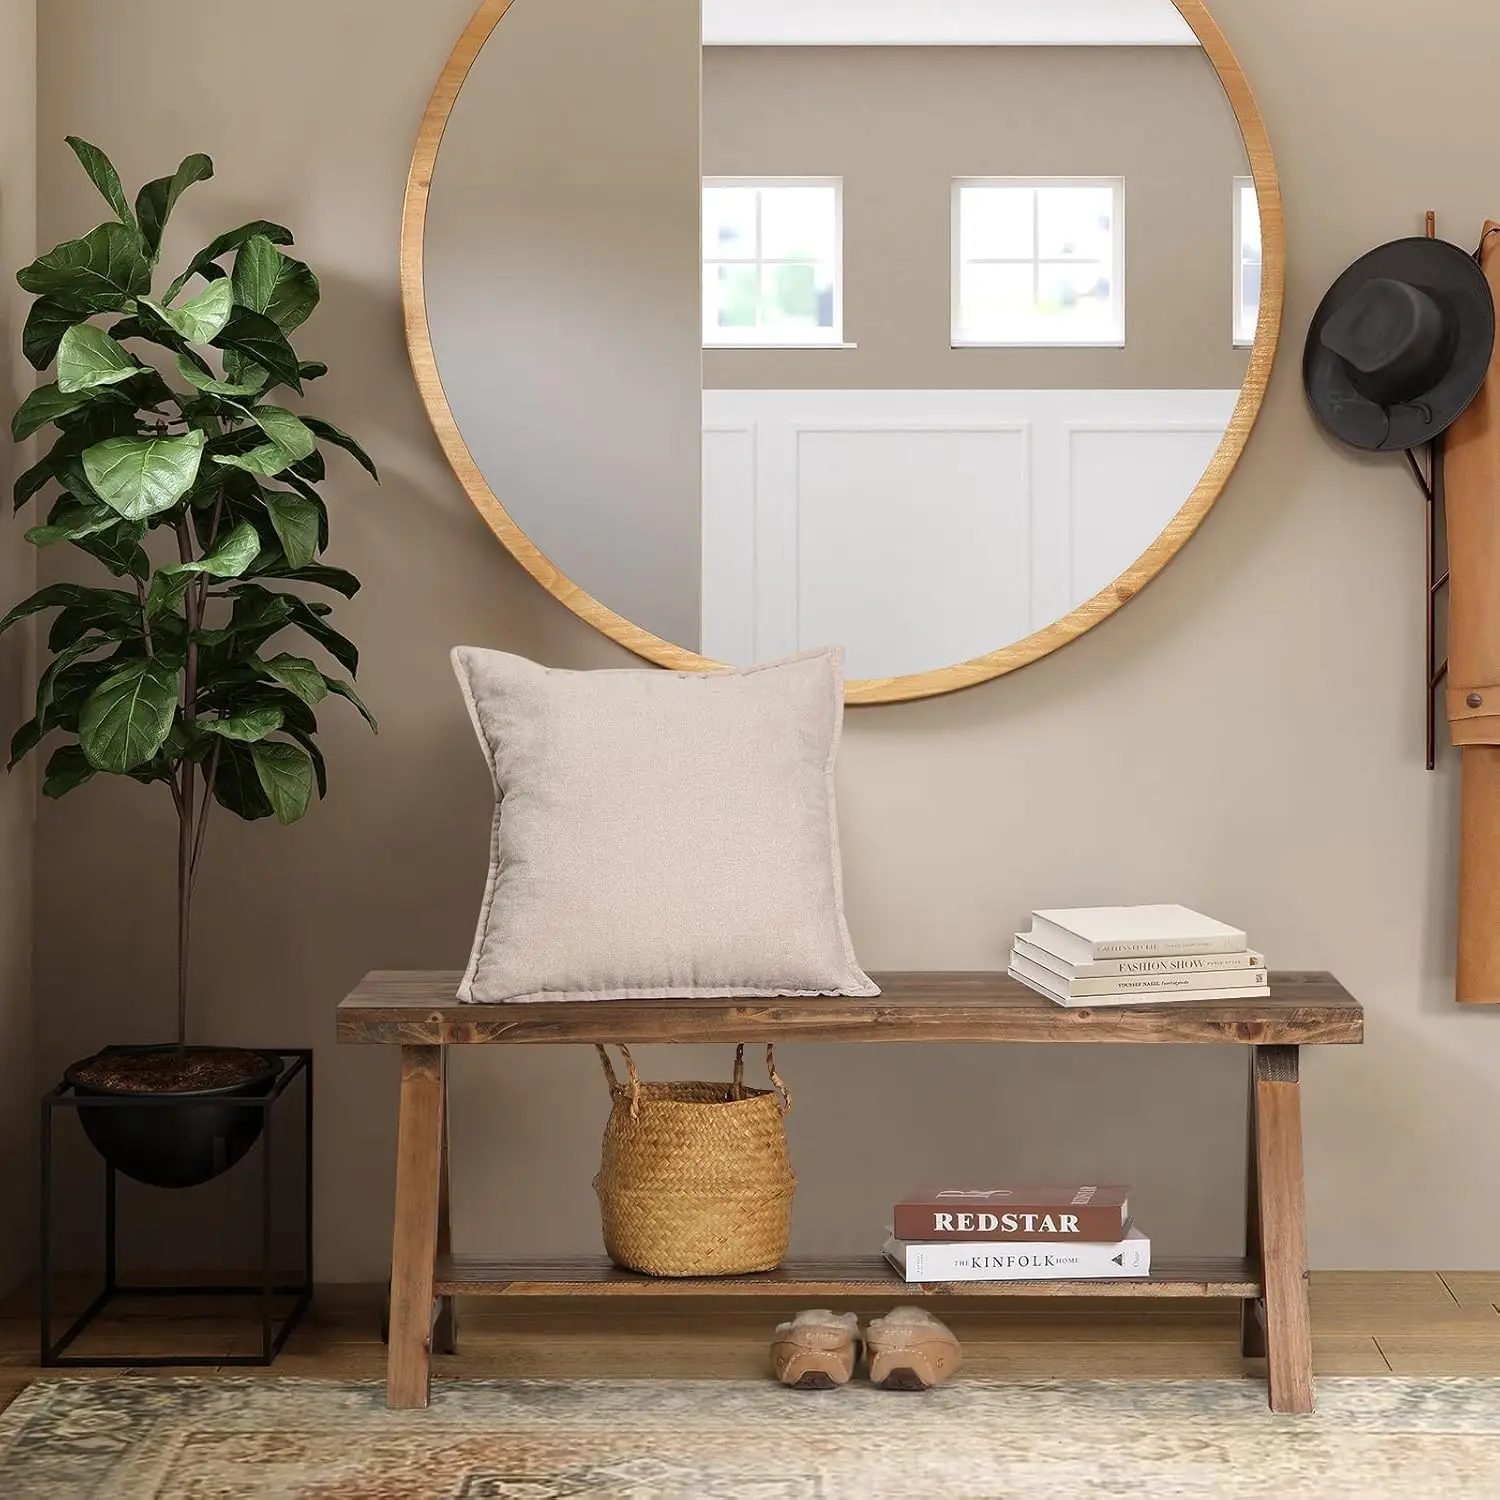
[
  {"x": 297, "y": 675},
  {"x": 120, "y": 549},
  {"x": 203, "y": 262},
  {"x": 24, "y": 741},
  {"x": 155, "y": 202},
  {"x": 296, "y": 523},
  {"x": 71, "y": 521},
  {"x": 127, "y": 718},
  {"x": 311, "y": 468},
  {"x": 45, "y": 404},
  {"x": 313, "y": 369},
  {"x": 297, "y": 295},
  {"x": 257, "y": 269},
  {"x": 54, "y": 596},
  {"x": 141, "y": 477},
  {"x": 230, "y": 557},
  {"x": 286, "y": 777},
  {"x": 237, "y": 785},
  {"x": 286, "y": 430},
  {"x": 56, "y": 675},
  {"x": 66, "y": 685},
  {"x": 33, "y": 481},
  {"x": 340, "y": 580},
  {"x": 233, "y": 554},
  {"x": 102, "y": 174},
  {"x": 344, "y": 690},
  {"x": 309, "y": 618},
  {"x": 266, "y": 281},
  {"x": 150, "y": 322},
  {"x": 201, "y": 320},
  {"x": 267, "y": 460},
  {"x": 68, "y": 769},
  {"x": 331, "y": 434},
  {"x": 88, "y": 357},
  {"x": 46, "y": 324},
  {"x": 166, "y": 593},
  {"x": 103, "y": 272},
  {"x": 247, "y": 727},
  {"x": 145, "y": 391},
  {"x": 320, "y": 766},
  {"x": 291, "y": 442},
  {"x": 211, "y": 387},
  {"x": 254, "y": 337},
  {"x": 113, "y": 613}
]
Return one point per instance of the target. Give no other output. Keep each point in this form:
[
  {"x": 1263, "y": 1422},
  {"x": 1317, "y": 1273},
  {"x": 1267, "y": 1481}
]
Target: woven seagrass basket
[{"x": 695, "y": 1179}]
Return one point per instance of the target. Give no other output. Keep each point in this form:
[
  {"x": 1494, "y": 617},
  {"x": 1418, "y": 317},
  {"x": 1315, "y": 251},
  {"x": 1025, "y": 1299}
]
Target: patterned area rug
[{"x": 191, "y": 1439}]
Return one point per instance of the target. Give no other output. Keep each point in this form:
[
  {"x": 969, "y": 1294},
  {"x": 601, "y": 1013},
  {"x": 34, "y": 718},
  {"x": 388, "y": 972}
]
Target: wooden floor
[{"x": 1408, "y": 1323}]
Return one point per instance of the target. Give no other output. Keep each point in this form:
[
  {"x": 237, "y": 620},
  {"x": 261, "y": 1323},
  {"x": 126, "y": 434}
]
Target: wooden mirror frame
[{"x": 872, "y": 689}]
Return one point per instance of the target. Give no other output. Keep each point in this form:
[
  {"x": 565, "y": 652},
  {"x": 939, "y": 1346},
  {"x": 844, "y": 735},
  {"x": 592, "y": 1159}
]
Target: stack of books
[
  {"x": 1135, "y": 955},
  {"x": 1017, "y": 1234}
]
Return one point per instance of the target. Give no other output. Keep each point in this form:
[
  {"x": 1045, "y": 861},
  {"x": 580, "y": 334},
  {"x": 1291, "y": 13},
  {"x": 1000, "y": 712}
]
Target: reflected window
[
  {"x": 772, "y": 262},
  {"x": 1038, "y": 261},
  {"x": 1247, "y": 265}
]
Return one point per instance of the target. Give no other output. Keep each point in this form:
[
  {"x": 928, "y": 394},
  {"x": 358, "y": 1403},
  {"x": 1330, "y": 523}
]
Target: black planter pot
[{"x": 174, "y": 1140}]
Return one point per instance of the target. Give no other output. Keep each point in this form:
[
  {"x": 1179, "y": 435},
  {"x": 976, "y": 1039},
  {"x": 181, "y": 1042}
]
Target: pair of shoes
[{"x": 908, "y": 1350}]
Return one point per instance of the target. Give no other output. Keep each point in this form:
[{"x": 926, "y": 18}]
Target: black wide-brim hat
[{"x": 1443, "y": 280}]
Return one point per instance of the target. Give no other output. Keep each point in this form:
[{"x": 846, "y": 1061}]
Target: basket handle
[
  {"x": 737, "y": 1088},
  {"x": 634, "y": 1089}
]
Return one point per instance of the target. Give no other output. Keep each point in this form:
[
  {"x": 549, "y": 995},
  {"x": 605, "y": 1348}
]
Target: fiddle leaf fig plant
[{"x": 173, "y": 464}]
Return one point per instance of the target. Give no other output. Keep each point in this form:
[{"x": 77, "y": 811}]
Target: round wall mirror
[{"x": 931, "y": 330}]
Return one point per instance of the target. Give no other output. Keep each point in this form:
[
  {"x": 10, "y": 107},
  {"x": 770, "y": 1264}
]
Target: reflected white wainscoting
[{"x": 922, "y": 528}]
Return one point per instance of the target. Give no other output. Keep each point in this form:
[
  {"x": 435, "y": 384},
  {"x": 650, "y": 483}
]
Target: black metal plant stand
[{"x": 274, "y": 1334}]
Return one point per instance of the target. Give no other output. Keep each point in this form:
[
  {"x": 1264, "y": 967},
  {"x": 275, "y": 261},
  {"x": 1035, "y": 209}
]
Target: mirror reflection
[{"x": 900, "y": 325}]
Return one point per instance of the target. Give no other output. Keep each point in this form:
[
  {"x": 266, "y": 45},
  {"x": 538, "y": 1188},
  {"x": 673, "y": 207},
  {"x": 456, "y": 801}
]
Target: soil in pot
[{"x": 159, "y": 1140}]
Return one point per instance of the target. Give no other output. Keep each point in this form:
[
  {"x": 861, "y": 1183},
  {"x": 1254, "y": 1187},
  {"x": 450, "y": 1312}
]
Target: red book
[{"x": 1085, "y": 1214}]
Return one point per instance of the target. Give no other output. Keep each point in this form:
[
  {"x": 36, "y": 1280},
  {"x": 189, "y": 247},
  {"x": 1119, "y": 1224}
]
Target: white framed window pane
[
  {"x": 1247, "y": 261},
  {"x": 997, "y": 300},
  {"x": 1076, "y": 223},
  {"x": 729, "y": 223},
  {"x": 1076, "y": 298},
  {"x": 797, "y": 298},
  {"x": 1038, "y": 262},
  {"x": 798, "y": 223},
  {"x": 730, "y": 299},
  {"x": 771, "y": 262},
  {"x": 997, "y": 223}
]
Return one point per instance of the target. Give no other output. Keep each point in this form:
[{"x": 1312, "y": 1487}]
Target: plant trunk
[
  {"x": 193, "y": 611},
  {"x": 184, "y": 898}
]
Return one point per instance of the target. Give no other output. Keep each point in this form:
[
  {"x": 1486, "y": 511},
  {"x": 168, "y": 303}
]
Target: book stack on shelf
[
  {"x": 1136, "y": 955},
  {"x": 1017, "y": 1234}
]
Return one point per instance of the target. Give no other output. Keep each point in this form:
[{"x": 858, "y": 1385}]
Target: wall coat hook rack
[{"x": 1401, "y": 358}]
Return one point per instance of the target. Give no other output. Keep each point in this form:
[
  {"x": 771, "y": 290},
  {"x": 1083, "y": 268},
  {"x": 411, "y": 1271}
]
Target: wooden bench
[{"x": 416, "y": 1012}]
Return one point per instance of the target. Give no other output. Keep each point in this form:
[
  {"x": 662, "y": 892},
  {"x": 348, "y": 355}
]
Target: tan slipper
[
  {"x": 816, "y": 1351},
  {"x": 910, "y": 1350}
]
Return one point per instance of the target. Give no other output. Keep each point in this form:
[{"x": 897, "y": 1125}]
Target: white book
[
  {"x": 1246, "y": 980},
  {"x": 1030, "y": 1261},
  {"x": 1108, "y": 968},
  {"x": 1139, "y": 997},
  {"x": 1085, "y": 934}
]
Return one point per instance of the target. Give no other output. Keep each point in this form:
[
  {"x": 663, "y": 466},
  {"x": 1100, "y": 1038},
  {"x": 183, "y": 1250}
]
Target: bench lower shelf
[{"x": 850, "y": 1276}]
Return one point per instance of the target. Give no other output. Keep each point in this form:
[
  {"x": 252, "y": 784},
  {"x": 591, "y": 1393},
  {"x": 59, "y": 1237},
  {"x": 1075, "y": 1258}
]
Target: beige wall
[
  {"x": 898, "y": 124},
  {"x": 562, "y": 267},
  {"x": 17, "y": 575},
  {"x": 1246, "y": 736}
]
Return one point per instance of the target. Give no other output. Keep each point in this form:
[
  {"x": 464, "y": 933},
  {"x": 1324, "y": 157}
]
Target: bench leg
[
  {"x": 1252, "y": 1309},
  {"x": 414, "y": 1244},
  {"x": 445, "y": 1330},
  {"x": 1283, "y": 1228}
]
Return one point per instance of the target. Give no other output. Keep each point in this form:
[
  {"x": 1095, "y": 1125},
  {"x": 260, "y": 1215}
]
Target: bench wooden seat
[{"x": 416, "y": 1011}]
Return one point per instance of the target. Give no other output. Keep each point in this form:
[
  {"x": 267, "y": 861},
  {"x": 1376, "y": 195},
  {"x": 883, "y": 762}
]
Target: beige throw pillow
[{"x": 660, "y": 835}]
